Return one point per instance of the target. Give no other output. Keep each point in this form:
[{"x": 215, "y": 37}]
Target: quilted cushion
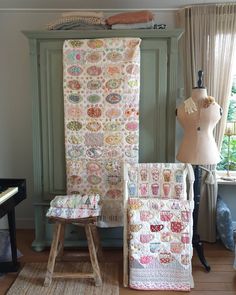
[
  {"x": 74, "y": 206},
  {"x": 224, "y": 224},
  {"x": 76, "y": 201}
]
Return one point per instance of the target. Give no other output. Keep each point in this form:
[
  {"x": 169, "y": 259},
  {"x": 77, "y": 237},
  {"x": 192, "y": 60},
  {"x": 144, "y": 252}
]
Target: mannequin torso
[{"x": 198, "y": 116}]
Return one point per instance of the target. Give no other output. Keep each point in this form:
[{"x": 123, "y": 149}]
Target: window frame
[{"x": 230, "y": 117}]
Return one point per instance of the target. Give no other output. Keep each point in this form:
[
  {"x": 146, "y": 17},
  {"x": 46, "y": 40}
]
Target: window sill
[{"x": 222, "y": 178}]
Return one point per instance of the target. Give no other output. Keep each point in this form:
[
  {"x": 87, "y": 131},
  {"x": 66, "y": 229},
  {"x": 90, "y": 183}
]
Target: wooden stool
[{"x": 57, "y": 248}]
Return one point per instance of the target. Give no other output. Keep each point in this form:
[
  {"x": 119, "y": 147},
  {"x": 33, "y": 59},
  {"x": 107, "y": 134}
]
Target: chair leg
[
  {"x": 52, "y": 255},
  {"x": 93, "y": 256}
]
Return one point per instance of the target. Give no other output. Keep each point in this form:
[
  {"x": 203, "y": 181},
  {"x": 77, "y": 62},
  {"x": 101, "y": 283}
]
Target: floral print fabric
[{"x": 101, "y": 105}]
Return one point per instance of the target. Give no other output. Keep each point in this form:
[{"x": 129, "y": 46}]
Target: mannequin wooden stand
[
  {"x": 57, "y": 248},
  {"x": 197, "y": 244}
]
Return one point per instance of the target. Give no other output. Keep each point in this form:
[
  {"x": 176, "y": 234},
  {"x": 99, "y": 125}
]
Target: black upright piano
[{"x": 12, "y": 192}]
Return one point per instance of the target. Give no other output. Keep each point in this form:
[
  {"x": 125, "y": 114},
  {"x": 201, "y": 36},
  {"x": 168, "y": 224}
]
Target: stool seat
[{"x": 57, "y": 249}]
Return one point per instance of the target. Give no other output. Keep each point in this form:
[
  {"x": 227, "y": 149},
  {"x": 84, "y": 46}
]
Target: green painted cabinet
[{"x": 159, "y": 52}]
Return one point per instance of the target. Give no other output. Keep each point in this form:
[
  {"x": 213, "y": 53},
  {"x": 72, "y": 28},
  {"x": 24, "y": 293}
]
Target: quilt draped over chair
[
  {"x": 101, "y": 115},
  {"x": 158, "y": 228}
]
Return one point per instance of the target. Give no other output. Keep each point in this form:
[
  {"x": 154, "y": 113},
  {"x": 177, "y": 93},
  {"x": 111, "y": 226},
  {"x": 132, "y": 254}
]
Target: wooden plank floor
[{"x": 220, "y": 281}]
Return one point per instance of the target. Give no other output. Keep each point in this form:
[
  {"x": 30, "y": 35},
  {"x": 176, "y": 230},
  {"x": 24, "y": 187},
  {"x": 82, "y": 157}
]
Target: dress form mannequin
[{"x": 198, "y": 116}]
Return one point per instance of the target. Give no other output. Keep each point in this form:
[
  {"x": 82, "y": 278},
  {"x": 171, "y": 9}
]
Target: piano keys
[
  {"x": 6, "y": 194},
  {"x": 12, "y": 192}
]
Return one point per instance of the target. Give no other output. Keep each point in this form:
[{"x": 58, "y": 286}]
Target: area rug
[{"x": 31, "y": 278}]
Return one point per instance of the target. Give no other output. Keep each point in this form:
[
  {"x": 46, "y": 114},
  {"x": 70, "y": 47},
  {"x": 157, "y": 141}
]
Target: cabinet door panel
[
  {"x": 153, "y": 92},
  {"x": 52, "y": 116}
]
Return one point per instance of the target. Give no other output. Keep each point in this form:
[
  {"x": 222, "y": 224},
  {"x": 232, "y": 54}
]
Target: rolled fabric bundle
[
  {"x": 130, "y": 17},
  {"x": 76, "y": 19},
  {"x": 80, "y": 26},
  {"x": 146, "y": 25}
]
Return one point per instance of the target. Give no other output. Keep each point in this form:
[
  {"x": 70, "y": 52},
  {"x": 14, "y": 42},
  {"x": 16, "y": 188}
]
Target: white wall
[{"x": 15, "y": 99}]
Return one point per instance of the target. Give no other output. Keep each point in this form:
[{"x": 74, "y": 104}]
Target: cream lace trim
[{"x": 191, "y": 107}]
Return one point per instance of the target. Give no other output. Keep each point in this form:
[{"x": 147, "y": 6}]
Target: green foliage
[
  {"x": 233, "y": 90},
  {"x": 223, "y": 165},
  {"x": 232, "y": 110}
]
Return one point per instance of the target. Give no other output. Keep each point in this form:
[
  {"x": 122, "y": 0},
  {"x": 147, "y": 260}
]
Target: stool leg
[
  {"x": 97, "y": 242},
  {"x": 93, "y": 256},
  {"x": 61, "y": 242},
  {"x": 52, "y": 255}
]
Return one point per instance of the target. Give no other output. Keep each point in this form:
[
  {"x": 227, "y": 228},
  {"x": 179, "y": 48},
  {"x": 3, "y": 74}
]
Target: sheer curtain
[{"x": 209, "y": 44}]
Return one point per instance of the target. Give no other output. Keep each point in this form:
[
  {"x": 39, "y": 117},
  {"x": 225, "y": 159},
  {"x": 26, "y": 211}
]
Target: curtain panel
[{"x": 209, "y": 44}]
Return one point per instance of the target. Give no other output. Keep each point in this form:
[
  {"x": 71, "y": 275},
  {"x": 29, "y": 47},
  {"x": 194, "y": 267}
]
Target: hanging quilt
[{"x": 101, "y": 109}]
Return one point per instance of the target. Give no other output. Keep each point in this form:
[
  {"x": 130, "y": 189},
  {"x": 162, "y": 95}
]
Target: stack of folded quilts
[
  {"x": 143, "y": 19},
  {"x": 74, "y": 206},
  {"x": 81, "y": 20}
]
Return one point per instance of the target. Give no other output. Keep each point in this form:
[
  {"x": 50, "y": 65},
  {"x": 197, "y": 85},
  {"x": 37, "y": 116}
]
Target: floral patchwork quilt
[{"x": 101, "y": 115}]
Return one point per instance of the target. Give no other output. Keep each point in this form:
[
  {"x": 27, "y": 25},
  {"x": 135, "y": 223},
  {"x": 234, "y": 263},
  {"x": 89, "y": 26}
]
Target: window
[{"x": 231, "y": 159}]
